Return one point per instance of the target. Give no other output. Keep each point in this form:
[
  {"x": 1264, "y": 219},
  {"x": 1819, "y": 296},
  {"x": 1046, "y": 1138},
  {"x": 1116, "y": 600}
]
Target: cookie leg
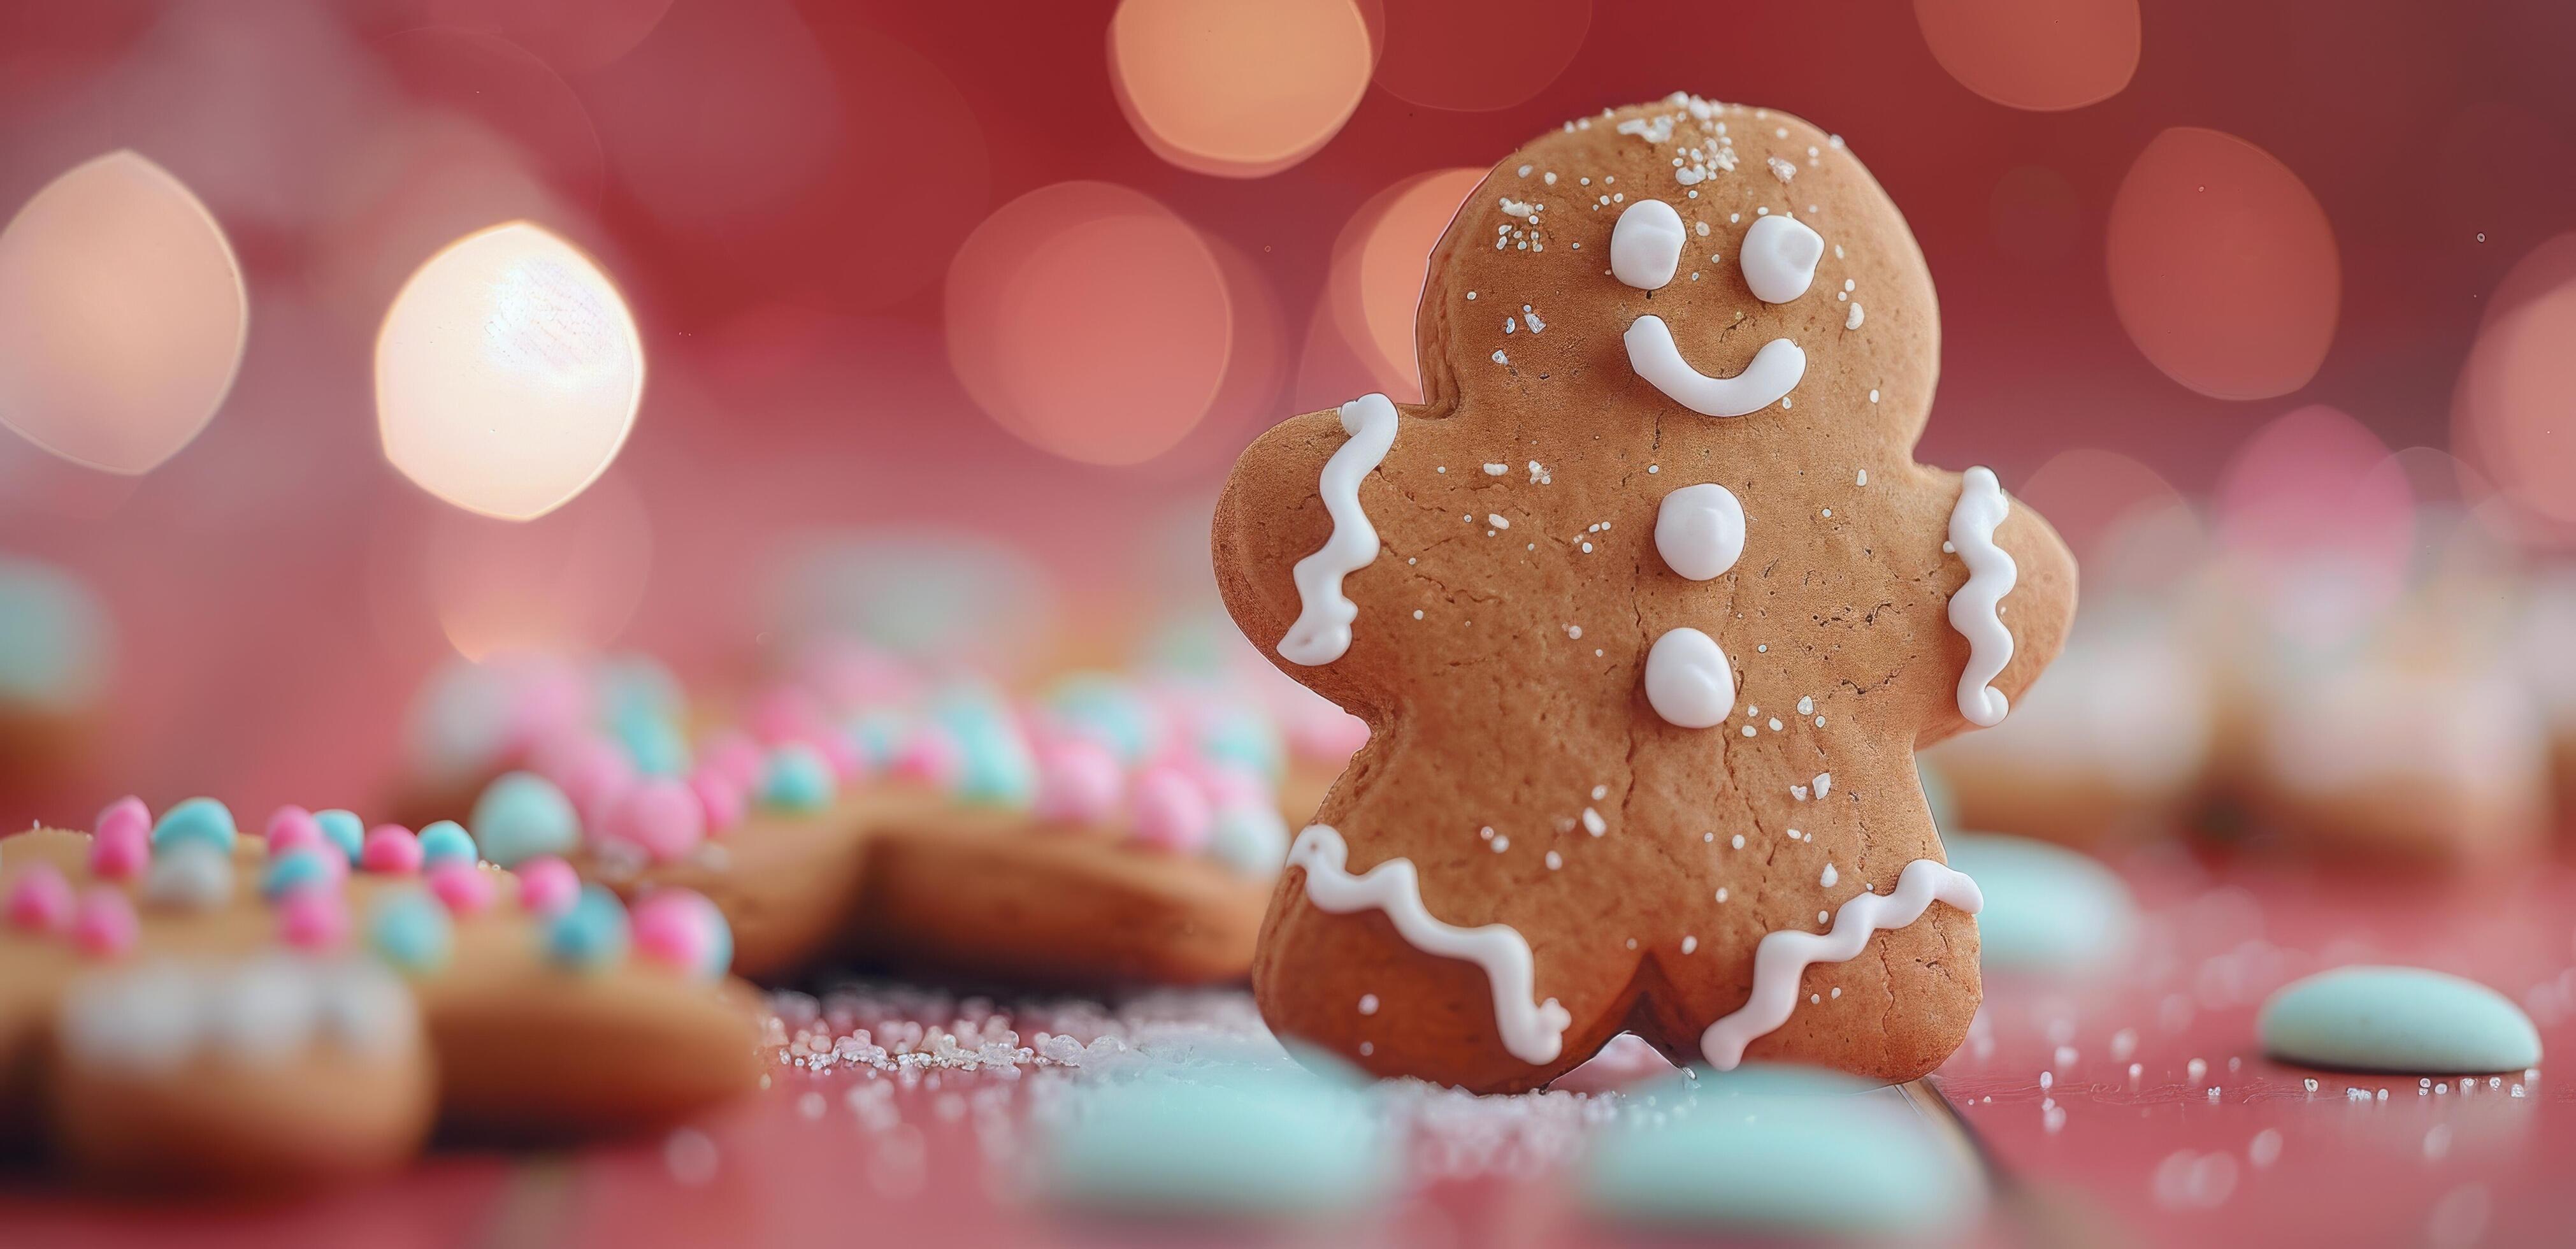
[
  {"x": 1892, "y": 1013},
  {"x": 1354, "y": 986}
]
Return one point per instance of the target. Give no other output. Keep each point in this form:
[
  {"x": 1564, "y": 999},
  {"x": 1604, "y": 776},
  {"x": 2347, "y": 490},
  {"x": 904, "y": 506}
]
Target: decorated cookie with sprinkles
[
  {"x": 186, "y": 1001},
  {"x": 1647, "y": 607},
  {"x": 1112, "y": 828}
]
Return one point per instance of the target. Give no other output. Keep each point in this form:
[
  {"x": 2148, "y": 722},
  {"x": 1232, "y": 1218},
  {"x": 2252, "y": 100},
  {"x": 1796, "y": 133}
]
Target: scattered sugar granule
[
  {"x": 1807, "y": 705},
  {"x": 1775, "y": 724},
  {"x": 1689, "y": 944},
  {"x": 1851, "y": 320},
  {"x": 1417, "y": 613},
  {"x": 1824, "y": 783},
  {"x": 1554, "y": 860},
  {"x": 1600, "y": 792},
  {"x": 1500, "y": 358},
  {"x": 1497, "y": 520},
  {"x": 1497, "y": 470},
  {"x": 1863, "y": 479},
  {"x": 1830, "y": 876},
  {"x": 1368, "y": 1003},
  {"x": 1592, "y": 822},
  {"x": 1721, "y": 893},
  {"x": 1873, "y": 395},
  {"x": 1574, "y": 631},
  {"x": 1739, "y": 841},
  {"x": 1471, "y": 296}
]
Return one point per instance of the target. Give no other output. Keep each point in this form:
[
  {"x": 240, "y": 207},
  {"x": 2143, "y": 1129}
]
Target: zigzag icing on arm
[
  {"x": 1775, "y": 371},
  {"x": 1784, "y": 956},
  {"x": 1324, "y": 614},
  {"x": 1975, "y": 609},
  {"x": 1533, "y": 1031}
]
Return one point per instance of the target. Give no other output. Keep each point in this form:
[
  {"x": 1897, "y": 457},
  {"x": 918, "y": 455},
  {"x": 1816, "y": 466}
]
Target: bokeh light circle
[
  {"x": 2511, "y": 413},
  {"x": 122, "y": 316},
  {"x": 2222, "y": 265},
  {"x": 2322, "y": 533},
  {"x": 571, "y": 35},
  {"x": 1238, "y": 90},
  {"x": 1090, "y": 321},
  {"x": 2042, "y": 55},
  {"x": 508, "y": 372},
  {"x": 1475, "y": 56},
  {"x": 2087, "y": 492},
  {"x": 1373, "y": 289}
]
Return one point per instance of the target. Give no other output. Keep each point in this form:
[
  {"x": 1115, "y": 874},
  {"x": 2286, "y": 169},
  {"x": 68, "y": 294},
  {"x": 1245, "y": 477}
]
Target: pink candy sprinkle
[
  {"x": 40, "y": 900},
  {"x": 547, "y": 886},
  {"x": 785, "y": 714},
  {"x": 670, "y": 929},
  {"x": 931, "y": 755},
  {"x": 122, "y": 845},
  {"x": 1170, "y": 810},
  {"x": 660, "y": 816},
  {"x": 390, "y": 849},
  {"x": 313, "y": 918},
  {"x": 591, "y": 771},
  {"x": 292, "y": 826},
  {"x": 463, "y": 888},
  {"x": 105, "y": 926},
  {"x": 721, "y": 798},
  {"x": 734, "y": 757},
  {"x": 1078, "y": 782}
]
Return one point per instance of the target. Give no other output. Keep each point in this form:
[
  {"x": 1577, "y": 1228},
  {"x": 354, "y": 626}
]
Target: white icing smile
[
  {"x": 1534, "y": 1032},
  {"x": 1324, "y": 614},
  {"x": 262, "y": 1013},
  {"x": 1775, "y": 371}
]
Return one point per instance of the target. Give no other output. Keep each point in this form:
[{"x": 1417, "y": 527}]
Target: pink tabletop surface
[{"x": 2208, "y": 1143}]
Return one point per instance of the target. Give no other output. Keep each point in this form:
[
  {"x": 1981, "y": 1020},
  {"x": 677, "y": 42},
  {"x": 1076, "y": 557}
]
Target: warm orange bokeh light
[
  {"x": 1380, "y": 260},
  {"x": 2043, "y": 55},
  {"x": 2223, "y": 267},
  {"x": 508, "y": 372},
  {"x": 2320, "y": 530},
  {"x": 122, "y": 316},
  {"x": 2087, "y": 493},
  {"x": 2511, "y": 413},
  {"x": 1238, "y": 90},
  {"x": 564, "y": 584},
  {"x": 1478, "y": 55},
  {"x": 1087, "y": 319}
]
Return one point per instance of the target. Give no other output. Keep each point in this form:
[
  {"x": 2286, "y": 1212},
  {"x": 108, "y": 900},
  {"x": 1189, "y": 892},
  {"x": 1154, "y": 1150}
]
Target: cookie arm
[
  {"x": 2037, "y": 612},
  {"x": 1272, "y": 516}
]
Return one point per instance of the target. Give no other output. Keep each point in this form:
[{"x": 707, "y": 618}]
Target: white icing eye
[
  {"x": 1699, "y": 530},
  {"x": 1688, "y": 681},
  {"x": 1646, "y": 245},
  {"x": 1780, "y": 258}
]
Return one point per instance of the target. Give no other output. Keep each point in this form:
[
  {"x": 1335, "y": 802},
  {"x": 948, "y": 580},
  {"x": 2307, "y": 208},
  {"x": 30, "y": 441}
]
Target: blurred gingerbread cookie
[
  {"x": 1647, "y": 607},
  {"x": 188, "y": 1003}
]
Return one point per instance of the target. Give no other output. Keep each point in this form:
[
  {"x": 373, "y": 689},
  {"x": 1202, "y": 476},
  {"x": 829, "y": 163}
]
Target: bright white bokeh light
[
  {"x": 508, "y": 373},
  {"x": 122, "y": 316}
]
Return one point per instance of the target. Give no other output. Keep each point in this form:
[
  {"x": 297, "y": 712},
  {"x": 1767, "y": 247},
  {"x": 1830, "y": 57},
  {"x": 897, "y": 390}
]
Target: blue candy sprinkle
[
  {"x": 301, "y": 866},
  {"x": 1252, "y": 840},
  {"x": 2403, "y": 1019},
  {"x": 999, "y": 767},
  {"x": 1780, "y": 1150},
  {"x": 591, "y": 933},
  {"x": 1110, "y": 711},
  {"x": 2048, "y": 908},
  {"x": 410, "y": 930},
  {"x": 446, "y": 841},
  {"x": 878, "y": 733},
  {"x": 798, "y": 778},
  {"x": 345, "y": 830},
  {"x": 655, "y": 744},
  {"x": 197, "y": 819},
  {"x": 1237, "y": 1140},
  {"x": 1248, "y": 741},
  {"x": 522, "y": 816}
]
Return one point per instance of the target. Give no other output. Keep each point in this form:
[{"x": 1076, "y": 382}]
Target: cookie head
[{"x": 1749, "y": 258}]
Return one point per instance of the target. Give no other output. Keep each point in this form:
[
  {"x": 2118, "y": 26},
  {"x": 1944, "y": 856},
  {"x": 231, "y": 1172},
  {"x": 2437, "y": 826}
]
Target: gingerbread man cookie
[
  {"x": 182, "y": 1001},
  {"x": 1647, "y": 607}
]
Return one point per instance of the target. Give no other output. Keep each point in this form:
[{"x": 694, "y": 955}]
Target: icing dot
[
  {"x": 1646, "y": 244},
  {"x": 1688, "y": 681},
  {"x": 1699, "y": 530}
]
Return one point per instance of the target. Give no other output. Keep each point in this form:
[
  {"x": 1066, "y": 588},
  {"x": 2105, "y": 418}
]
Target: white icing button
[
  {"x": 1774, "y": 372},
  {"x": 1699, "y": 530},
  {"x": 1688, "y": 681},
  {"x": 263, "y": 1013},
  {"x": 1779, "y": 258},
  {"x": 1646, "y": 245}
]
